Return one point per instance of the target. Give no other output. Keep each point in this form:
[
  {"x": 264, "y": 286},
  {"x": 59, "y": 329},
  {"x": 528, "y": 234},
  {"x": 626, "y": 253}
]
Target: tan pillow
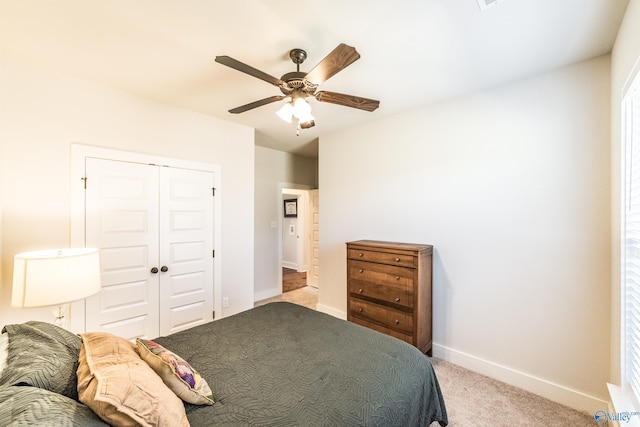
[
  {"x": 121, "y": 388},
  {"x": 177, "y": 373}
]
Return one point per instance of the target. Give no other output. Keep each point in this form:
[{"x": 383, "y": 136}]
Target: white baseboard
[
  {"x": 291, "y": 265},
  {"x": 267, "y": 293},
  {"x": 332, "y": 311},
  {"x": 556, "y": 392}
]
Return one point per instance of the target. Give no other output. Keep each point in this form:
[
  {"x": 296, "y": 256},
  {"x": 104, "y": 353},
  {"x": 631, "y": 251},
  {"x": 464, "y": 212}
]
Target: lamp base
[{"x": 60, "y": 313}]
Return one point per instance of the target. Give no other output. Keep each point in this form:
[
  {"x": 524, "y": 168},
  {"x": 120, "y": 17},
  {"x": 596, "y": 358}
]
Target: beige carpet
[{"x": 474, "y": 400}]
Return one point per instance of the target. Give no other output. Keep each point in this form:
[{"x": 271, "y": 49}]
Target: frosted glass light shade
[
  {"x": 285, "y": 112},
  {"x": 301, "y": 109},
  {"x": 305, "y": 118},
  {"x": 56, "y": 276}
]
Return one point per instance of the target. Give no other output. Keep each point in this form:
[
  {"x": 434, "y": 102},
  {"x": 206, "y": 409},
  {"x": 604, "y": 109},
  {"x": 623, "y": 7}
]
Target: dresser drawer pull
[
  {"x": 360, "y": 290},
  {"x": 361, "y": 270},
  {"x": 397, "y": 259},
  {"x": 397, "y": 299},
  {"x": 360, "y": 254},
  {"x": 397, "y": 322},
  {"x": 359, "y": 310},
  {"x": 397, "y": 277}
]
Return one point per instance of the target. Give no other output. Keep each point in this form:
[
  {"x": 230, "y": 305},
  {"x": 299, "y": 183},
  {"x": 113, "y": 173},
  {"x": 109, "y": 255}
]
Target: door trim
[
  {"x": 79, "y": 152},
  {"x": 313, "y": 275},
  {"x": 300, "y": 262}
]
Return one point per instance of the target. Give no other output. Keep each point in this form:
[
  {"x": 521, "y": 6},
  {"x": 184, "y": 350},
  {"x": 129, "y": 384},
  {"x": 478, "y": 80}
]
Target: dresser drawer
[
  {"x": 381, "y": 257},
  {"x": 385, "y": 316},
  {"x": 382, "y": 282},
  {"x": 370, "y": 325},
  {"x": 400, "y": 295},
  {"x": 383, "y": 329},
  {"x": 376, "y": 291},
  {"x": 385, "y": 274}
]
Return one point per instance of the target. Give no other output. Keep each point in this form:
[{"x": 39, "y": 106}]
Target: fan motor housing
[{"x": 295, "y": 80}]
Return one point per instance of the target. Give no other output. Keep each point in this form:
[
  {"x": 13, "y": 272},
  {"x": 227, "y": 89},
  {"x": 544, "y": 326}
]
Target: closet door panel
[
  {"x": 121, "y": 219},
  {"x": 186, "y": 248}
]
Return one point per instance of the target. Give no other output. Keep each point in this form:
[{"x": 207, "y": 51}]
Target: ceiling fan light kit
[
  {"x": 299, "y": 108},
  {"x": 298, "y": 85}
]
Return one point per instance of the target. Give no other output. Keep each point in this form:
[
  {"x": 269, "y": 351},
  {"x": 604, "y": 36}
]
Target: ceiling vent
[{"x": 485, "y": 4}]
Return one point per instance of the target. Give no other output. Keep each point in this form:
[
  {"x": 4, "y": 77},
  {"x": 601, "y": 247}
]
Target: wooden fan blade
[
  {"x": 240, "y": 66},
  {"x": 348, "y": 100},
  {"x": 256, "y": 104},
  {"x": 339, "y": 58}
]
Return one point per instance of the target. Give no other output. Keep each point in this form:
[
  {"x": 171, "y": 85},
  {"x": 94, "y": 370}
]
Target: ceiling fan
[{"x": 299, "y": 85}]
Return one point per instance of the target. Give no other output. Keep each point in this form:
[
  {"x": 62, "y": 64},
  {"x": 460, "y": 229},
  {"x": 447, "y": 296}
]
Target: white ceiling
[{"x": 413, "y": 52}]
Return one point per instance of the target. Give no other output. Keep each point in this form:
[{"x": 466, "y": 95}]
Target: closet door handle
[
  {"x": 164, "y": 268},
  {"x": 154, "y": 270}
]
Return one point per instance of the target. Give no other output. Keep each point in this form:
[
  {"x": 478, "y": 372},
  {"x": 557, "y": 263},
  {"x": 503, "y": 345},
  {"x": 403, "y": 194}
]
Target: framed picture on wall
[{"x": 290, "y": 208}]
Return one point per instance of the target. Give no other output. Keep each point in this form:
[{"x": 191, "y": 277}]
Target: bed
[{"x": 279, "y": 364}]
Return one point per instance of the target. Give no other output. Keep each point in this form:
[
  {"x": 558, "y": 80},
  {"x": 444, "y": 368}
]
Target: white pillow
[{"x": 4, "y": 347}]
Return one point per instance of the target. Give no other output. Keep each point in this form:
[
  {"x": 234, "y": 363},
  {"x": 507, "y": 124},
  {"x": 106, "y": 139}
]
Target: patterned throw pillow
[{"x": 176, "y": 373}]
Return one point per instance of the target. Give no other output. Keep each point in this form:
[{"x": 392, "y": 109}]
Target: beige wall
[
  {"x": 273, "y": 170},
  {"x": 42, "y": 113},
  {"x": 624, "y": 60},
  {"x": 511, "y": 186}
]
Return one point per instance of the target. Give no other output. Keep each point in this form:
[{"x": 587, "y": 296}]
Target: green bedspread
[{"x": 286, "y": 365}]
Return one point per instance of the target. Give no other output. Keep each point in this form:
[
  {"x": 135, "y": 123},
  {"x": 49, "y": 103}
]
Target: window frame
[{"x": 629, "y": 392}]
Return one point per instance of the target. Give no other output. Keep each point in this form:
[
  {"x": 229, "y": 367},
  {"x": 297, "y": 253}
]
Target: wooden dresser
[{"x": 389, "y": 289}]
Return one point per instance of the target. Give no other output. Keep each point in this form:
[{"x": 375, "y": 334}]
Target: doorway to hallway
[{"x": 298, "y": 244}]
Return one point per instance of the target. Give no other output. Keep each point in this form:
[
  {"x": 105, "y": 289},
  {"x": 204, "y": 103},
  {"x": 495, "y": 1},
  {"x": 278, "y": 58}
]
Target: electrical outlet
[{"x": 225, "y": 302}]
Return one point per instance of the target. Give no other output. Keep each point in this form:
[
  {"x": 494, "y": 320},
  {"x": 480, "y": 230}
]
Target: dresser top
[{"x": 391, "y": 245}]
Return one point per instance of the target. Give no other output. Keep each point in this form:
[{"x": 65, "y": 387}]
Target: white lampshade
[{"x": 56, "y": 276}]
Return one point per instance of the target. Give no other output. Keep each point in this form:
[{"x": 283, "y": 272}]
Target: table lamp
[{"x": 55, "y": 277}]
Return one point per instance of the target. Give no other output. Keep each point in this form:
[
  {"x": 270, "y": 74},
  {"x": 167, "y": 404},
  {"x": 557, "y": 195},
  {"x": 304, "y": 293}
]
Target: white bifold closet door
[{"x": 154, "y": 227}]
